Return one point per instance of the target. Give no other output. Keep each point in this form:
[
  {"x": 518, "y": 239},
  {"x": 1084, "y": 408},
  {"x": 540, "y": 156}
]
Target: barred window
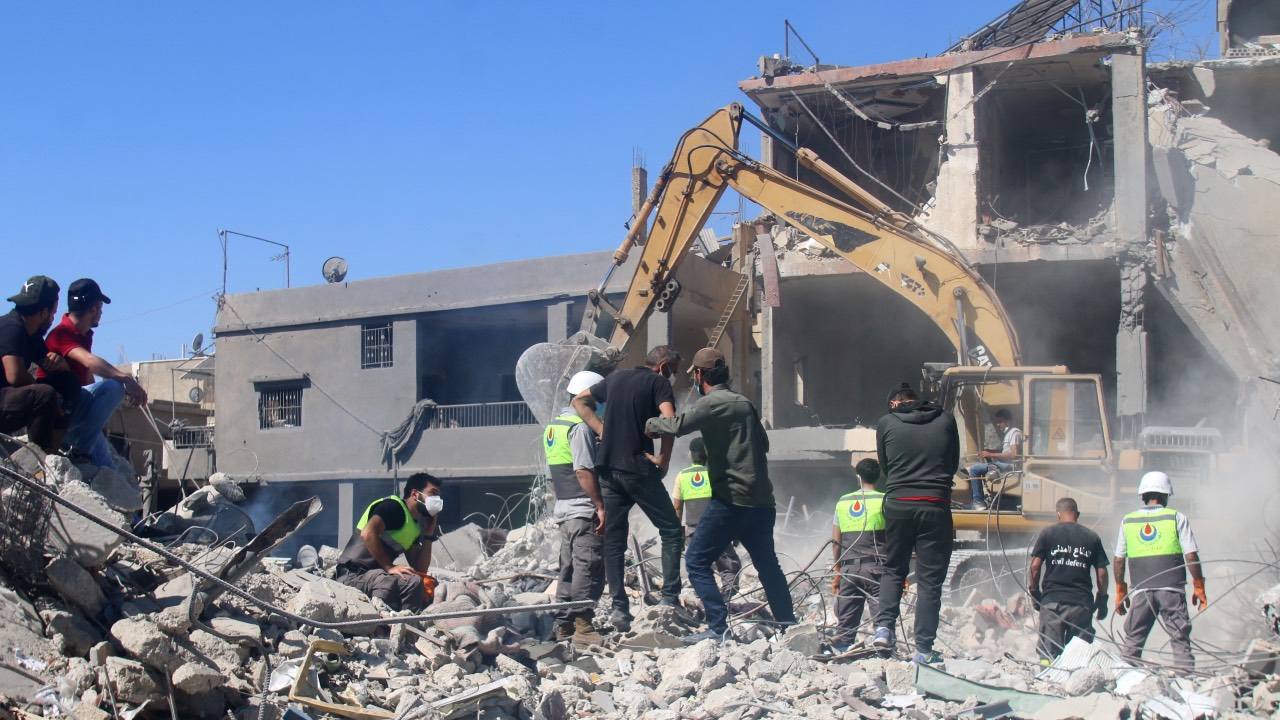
[
  {"x": 280, "y": 406},
  {"x": 375, "y": 346}
]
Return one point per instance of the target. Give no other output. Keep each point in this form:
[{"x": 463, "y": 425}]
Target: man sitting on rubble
[
  {"x": 391, "y": 526},
  {"x": 858, "y": 542},
  {"x": 742, "y": 504},
  {"x": 1003, "y": 460},
  {"x": 73, "y": 340},
  {"x": 1070, "y": 555},
  {"x": 690, "y": 496},
  {"x": 1156, "y": 543},
  {"x": 579, "y": 510},
  {"x": 25, "y": 403}
]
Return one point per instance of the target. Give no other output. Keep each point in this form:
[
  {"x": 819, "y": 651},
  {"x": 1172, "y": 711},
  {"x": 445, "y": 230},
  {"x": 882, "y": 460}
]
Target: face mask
[
  {"x": 434, "y": 504},
  {"x": 697, "y": 380},
  {"x": 668, "y": 376}
]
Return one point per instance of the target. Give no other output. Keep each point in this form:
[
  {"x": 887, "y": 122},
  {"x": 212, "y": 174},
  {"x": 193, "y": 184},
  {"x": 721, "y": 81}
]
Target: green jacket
[{"x": 736, "y": 445}]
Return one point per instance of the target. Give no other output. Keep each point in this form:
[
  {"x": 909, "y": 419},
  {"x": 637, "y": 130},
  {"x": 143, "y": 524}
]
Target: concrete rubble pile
[{"x": 116, "y": 632}]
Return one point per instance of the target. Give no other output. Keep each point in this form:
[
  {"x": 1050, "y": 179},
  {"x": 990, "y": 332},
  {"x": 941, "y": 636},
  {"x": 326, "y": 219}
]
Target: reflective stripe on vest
[
  {"x": 695, "y": 492},
  {"x": 408, "y": 533},
  {"x": 555, "y": 441},
  {"x": 861, "y": 518},
  {"x": 1153, "y": 549}
]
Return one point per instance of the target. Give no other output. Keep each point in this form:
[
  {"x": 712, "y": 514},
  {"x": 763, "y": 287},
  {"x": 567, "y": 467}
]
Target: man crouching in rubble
[
  {"x": 391, "y": 526},
  {"x": 571, "y": 448},
  {"x": 742, "y": 504}
]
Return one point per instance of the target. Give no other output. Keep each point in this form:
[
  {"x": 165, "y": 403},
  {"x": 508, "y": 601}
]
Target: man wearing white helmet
[
  {"x": 579, "y": 510},
  {"x": 1160, "y": 549}
]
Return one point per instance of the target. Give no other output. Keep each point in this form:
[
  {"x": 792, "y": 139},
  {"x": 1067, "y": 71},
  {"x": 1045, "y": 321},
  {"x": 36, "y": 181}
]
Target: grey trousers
[
  {"x": 581, "y": 566},
  {"x": 859, "y": 588},
  {"x": 401, "y": 592},
  {"x": 727, "y": 566},
  {"x": 1170, "y": 607},
  {"x": 1059, "y": 622}
]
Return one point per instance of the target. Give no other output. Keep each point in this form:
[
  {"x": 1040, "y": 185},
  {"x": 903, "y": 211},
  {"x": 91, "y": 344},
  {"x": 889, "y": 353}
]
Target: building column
[
  {"x": 954, "y": 213},
  {"x": 1129, "y": 120},
  {"x": 346, "y": 513},
  {"x": 558, "y": 321}
]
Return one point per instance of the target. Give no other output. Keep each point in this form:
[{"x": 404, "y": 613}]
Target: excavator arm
[{"x": 706, "y": 163}]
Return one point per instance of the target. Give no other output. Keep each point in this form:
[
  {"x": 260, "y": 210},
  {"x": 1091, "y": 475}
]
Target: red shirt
[{"x": 64, "y": 338}]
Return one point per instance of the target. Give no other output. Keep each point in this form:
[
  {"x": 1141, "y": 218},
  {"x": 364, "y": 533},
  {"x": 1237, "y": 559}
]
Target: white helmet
[
  {"x": 1156, "y": 482},
  {"x": 583, "y": 380}
]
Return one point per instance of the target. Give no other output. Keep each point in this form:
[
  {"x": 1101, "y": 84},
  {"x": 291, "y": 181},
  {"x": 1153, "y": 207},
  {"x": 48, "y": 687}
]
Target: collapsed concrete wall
[{"x": 1216, "y": 269}]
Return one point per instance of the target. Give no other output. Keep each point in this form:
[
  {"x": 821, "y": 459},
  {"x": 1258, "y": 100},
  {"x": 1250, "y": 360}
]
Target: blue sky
[{"x": 402, "y": 136}]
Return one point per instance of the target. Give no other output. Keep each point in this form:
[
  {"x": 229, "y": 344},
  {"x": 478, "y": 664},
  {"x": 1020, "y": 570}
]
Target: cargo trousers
[
  {"x": 1169, "y": 606},
  {"x": 581, "y": 567}
]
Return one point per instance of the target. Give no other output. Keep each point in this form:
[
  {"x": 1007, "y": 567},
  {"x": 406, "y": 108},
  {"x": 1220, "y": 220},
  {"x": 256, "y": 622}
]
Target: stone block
[
  {"x": 1086, "y": 681},
  {"x": 73, "y": 535},
  {"x": 145, "y": 641},
  {"x": 195, "y": 678},
  {"x": 75, "y": 584},
  {"x": 131, "y": 681},
  {"x": 804, "y": 639},
  {"x": 74, "y": 634}
]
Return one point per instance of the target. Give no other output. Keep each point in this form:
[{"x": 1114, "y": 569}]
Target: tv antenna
[{"x": 222, "y": 237}]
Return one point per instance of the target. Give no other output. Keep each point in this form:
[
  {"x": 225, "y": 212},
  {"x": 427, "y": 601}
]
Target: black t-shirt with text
[
  {"x": 1071, "y": 552},
  {"x": 631, "y": 397}
]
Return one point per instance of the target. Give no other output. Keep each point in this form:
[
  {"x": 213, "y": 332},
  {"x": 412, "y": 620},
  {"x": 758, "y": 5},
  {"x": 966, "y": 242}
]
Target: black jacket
[{"x": 919, "y": 451}]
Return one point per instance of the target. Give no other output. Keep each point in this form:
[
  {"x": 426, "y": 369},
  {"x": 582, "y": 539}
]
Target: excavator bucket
[{"x": 543, "y": 372}]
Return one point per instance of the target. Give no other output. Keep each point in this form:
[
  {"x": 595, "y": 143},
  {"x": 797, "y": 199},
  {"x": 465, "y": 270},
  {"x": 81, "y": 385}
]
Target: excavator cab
[{"x": 1066, "y": 448}]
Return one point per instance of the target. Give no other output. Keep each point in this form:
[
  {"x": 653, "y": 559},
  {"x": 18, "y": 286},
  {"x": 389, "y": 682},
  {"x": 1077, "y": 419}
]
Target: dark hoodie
[{"x": 919, "y": 449}]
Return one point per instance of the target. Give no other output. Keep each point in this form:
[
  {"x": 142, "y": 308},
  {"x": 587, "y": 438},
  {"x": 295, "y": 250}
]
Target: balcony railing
[
  {"x": 498, "y": 414},
  {"x": 200, "y": 436}
]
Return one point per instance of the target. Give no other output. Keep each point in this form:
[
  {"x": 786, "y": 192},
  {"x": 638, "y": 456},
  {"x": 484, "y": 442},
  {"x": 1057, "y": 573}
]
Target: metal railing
[
  {"x": 499, "y": 414},
  {"x": 200, "y": 436}
]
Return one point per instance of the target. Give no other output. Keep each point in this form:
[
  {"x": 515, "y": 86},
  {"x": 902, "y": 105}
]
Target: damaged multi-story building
[{"x": 1123, "y": 211}]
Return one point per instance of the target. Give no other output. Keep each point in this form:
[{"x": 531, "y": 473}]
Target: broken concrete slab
[
  {"x": 459, "y": 549},
  {"x": 131, "y": 681},
  {"x": 143, "y": 640},
  {"x": 119, "y": 492},
  {"x": 76, "y": 584},
  {"x": 939, "y": 684},
  {"x": 195, "y": 678},
  {"x": 331, "y": 601},
  {"x": 75, "y": 536}
]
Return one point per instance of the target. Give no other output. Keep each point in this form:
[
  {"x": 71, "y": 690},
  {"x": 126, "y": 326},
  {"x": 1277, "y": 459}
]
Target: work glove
[
  {"x": 1198, "y": 597},
  {"x": 835, "y": 582},
  {"x": 1122, "y": 598},
  {"x": 1036, "y": 595},
  {"x": 1100, "y": 605}
]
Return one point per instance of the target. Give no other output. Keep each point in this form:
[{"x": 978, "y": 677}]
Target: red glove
[
  {"x": 1197, "y": 594},
  {"x": 835, "y": 582},
  {"x": 1122, "y": 598}
]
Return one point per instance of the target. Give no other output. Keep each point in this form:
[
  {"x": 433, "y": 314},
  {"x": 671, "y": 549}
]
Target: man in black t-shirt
[
  {"x": 1071, "y": 557},
  {"x": 629, "y": 471},
  {"x": 24, "y": 402}
]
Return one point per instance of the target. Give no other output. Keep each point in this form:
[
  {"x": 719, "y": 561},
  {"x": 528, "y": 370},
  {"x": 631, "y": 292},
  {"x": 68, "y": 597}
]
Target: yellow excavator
[{"x": 1067, "y": 448}]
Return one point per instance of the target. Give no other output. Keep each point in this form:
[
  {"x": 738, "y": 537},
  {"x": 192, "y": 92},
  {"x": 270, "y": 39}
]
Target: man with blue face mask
[{"x": 391, "y": 526}]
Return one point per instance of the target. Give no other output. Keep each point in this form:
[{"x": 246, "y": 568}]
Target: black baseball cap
[
  {"x": 38, "y": 291},
  {"x": 904, "y": 387},
  {"x": 86, "y": 290}
]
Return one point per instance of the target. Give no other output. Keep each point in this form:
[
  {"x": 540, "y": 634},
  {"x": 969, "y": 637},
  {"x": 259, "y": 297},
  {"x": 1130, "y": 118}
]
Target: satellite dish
[
  {"x": 197, "y": 343},
  {"x": 334, "y": 270},
  {"x": 195, "y": 395}
]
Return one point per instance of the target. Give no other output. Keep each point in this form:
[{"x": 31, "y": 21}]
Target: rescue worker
[
  {"x": 857, "y": 541},
  {"x": 1160, "y": 549},
  {"x": 579, "y": 511},
  {"x": 690, "y": 496},
  {"x": 1074, "y": 566},
  {"x": 391, "y": 526},
  {"x": 741, "y": 505}
]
